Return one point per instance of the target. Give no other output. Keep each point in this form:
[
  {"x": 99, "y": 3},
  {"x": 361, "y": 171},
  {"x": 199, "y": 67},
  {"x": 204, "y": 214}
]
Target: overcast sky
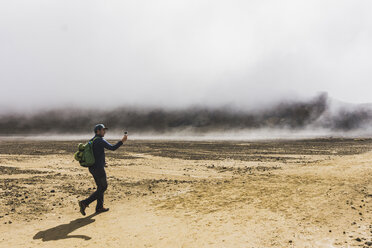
[{"x": 179, "y": 53}]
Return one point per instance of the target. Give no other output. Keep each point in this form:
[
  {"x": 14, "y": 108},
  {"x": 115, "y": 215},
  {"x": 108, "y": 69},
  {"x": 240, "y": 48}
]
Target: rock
[
  {"x": 52, "y": 191},
  {"x": 368, "y": 243},
  {"x": 358, "y": 239}
]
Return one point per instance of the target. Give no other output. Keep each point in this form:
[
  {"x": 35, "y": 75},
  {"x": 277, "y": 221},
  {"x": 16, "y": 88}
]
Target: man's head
[{"x": 100, "y": 130}]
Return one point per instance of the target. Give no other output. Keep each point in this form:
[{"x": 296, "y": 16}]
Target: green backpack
[{"x": 85, "y": 154}]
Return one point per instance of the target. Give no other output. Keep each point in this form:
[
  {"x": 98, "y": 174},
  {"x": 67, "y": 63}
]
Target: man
[{"x": 98, "y": 169}]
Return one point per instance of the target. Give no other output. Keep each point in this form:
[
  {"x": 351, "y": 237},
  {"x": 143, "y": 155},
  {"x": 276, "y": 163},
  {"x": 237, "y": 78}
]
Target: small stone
[
  {"x": 358, "y": 239},
  {"x": 52, "y": 191}
]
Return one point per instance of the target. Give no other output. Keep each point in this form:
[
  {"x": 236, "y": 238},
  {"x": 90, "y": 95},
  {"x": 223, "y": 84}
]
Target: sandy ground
[{"x": 309, "y": 193}]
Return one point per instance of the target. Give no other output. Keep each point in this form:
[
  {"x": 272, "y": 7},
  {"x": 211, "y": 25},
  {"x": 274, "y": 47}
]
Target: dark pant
[{"x": 99, "y": 176}]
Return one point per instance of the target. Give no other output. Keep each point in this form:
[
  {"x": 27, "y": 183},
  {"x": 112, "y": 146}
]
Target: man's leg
[
  {"x": 102, "y": 186},
  {"x": 101, "y": 182}
]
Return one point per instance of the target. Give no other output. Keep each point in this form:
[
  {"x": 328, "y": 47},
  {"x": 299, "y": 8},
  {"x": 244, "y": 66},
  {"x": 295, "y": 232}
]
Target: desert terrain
[{"x": 299, "y": 193}]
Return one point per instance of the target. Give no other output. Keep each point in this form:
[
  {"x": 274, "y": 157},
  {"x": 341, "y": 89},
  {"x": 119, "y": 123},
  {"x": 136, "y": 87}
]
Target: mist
[
  {"x": 321, "y": 116},
  {"x": 185, "y": 66},
  {"x": 92, "y": 54}
]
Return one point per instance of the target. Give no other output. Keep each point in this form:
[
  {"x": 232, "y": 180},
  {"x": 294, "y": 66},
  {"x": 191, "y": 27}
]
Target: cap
[{"x": 99, "y": 127}]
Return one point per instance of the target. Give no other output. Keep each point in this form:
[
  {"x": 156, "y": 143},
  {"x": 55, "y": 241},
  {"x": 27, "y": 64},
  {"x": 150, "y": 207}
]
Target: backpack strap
[{"x": 92, "y": 140}]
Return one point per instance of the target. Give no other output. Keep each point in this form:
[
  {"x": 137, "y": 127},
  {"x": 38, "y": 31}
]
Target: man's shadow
[{"x": 62, "y": 231}]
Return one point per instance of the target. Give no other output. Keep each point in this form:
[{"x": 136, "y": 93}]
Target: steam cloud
[{"x": 318, "y": 112}]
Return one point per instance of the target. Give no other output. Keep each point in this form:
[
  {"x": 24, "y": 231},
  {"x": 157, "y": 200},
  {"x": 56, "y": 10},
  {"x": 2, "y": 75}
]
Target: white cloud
[{"x": 179, "y": 53}]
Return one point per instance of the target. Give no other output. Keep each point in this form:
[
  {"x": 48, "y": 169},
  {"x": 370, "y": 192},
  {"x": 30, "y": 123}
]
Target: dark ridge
[{"x": 293, "y": 115}]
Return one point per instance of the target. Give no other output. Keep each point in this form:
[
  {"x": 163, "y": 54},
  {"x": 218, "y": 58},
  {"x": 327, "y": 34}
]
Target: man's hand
[{"x": 125, "y": 137}]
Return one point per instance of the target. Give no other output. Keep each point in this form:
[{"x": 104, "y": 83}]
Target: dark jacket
[{"x": 99, "y": 145}]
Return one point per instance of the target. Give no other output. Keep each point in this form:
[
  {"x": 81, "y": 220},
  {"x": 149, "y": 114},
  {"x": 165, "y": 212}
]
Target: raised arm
[{"x": 108, "y": 146}]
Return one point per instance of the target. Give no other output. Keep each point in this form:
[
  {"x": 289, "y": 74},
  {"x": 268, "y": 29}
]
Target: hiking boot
[
  {"x": 101, "y": 210},
  {"x": 82, "y": 207}
]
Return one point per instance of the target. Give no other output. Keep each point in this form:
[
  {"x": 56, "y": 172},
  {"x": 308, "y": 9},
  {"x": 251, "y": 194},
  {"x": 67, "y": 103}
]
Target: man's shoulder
[{"x": 96, "y": 138}]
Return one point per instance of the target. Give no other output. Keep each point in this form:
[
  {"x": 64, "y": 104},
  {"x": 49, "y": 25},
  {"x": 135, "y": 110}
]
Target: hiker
[{"x": 98, "y": 168}]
